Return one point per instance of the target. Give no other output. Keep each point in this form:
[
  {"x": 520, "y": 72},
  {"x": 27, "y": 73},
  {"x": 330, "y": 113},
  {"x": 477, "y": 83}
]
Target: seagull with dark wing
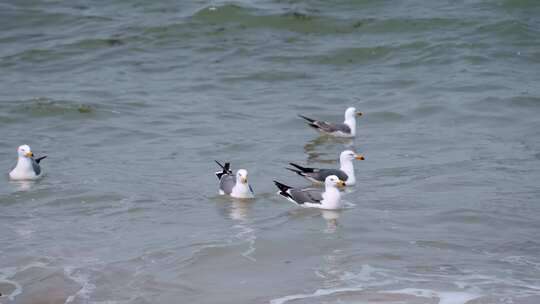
[
  {"x": 234, "y": 185},
  {"x": 329, "y": 199},
  {"x": 27, "y": 167},
  {"x": 345, "y": 129},
  {"x": 344, "y": 173}
]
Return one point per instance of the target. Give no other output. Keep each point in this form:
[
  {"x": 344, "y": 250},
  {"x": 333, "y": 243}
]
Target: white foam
[
  {"x": 370, "y": 277},
  {"x": 83, "y": 280},
  {"x": 17, "y": 291},
  {"x": 520, "y": 260},
  {"x": 444, "y": 297},
  {"x": 348, "y": 205},
  {"x": 317, "y": 293},
  {"x": 9, "y": 272},
  {"x": 248, "y": 235}
]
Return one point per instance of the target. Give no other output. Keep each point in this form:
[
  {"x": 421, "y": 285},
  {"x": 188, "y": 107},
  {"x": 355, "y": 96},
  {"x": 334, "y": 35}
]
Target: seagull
[
  {"x": 314, "y": 197},
  {"x": 235, "y": 186},
  {"x": 344, "y": 173},
  {"x": 27, "y": 167},
  {"x": 345, "y": 129}
]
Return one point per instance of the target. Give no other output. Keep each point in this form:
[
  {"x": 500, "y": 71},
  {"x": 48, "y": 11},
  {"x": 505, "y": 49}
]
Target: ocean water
[{"x": 133, "y": 101}]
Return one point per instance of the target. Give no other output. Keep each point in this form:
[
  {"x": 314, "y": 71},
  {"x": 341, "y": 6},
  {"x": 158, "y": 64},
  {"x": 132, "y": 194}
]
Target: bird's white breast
[{"x": 241, "y": 191}]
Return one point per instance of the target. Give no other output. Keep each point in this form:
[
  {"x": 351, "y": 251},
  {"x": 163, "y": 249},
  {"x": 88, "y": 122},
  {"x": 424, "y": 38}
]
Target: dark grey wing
[
  {"x": 322, "y": 174},
  {"x": 306, "y": 195},
  {"x": 226, "y": 183},
  {"x": 36, "y": 167},
  {"x": 332, "y": 127},
  {"x": 251, "y": 189}
]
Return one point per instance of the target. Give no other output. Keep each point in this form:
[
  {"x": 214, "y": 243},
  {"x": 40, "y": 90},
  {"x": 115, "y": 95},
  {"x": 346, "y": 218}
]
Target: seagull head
[
  {"x": 24, "y": 151},
  {"x": 333, "y": 181},
  {"x": 242, "y": 176},
  {"x": 351, "y": 113},
  {"x": 349, "y": 155}
]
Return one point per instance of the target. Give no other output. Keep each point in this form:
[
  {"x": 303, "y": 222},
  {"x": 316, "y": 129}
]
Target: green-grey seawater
[{"x": 133, "y": 100}]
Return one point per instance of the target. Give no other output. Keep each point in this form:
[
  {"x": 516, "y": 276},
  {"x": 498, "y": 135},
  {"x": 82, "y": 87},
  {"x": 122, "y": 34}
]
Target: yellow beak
[
  {"x": 29, "y": 154},
  {"x": 359, "y": 114},
  {"x": 359, "y": 157},
  {"x": 341, "y": 183},
  {"x": 243, "y": 180}
]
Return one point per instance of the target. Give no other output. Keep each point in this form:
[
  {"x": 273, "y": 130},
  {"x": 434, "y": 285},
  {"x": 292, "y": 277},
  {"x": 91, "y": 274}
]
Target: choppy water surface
[{"x": 133, "y": 100}]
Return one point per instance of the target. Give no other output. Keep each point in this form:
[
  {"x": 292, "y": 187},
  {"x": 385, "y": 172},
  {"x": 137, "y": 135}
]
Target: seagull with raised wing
[
  {"x": 27, "y": 167},
  {"x": 329, "y": 199},
  {"x": 234, "y": 185},
  {"x": 345, "y": 129},
  {"x": 344, "y": 173}
]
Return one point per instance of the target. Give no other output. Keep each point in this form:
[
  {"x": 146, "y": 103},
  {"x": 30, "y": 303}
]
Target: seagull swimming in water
[
  {"x": 344, "y": 173},
  {"x": 27, "y": 167},
  {"x": 235, "y": 186},
  {"x": 329, "y": 199},
  {"x": 345, "y": 129}
]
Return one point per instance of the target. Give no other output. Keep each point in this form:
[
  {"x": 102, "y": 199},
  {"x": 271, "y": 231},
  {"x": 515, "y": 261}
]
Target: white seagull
[
  {"x": 344, "y": 173},
  {"x": 27, "y": 167},
  {"x": 345, "y": 129},
  {"x": 329, "y": 199},
  {"x": 235, "y": 186}
]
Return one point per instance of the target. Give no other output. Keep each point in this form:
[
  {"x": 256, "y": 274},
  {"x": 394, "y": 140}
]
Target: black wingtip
[
  {"x": 283, "y": 189},
  {"x": 219, "y": 164},
  {"x": 311, "y": 120},
  {"x": 296, "y": 166},
  {"x": 281, "y": 186},
  {"x": 40, "y": 158},
  {"x": 226, "y": 169},
  {"x": 295, "y": 171},
  {"x": 303, "y": 169}
]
